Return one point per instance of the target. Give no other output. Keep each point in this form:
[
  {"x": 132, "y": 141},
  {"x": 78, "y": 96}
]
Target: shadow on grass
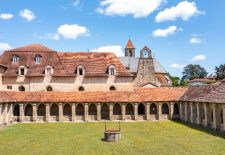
[{"x": 207, "y": 130}]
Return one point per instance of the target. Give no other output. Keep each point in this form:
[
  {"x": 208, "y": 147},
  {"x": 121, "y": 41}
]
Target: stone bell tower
[
  {"x": 146, "y": 71},
  {"x": 130, "y": 49}
]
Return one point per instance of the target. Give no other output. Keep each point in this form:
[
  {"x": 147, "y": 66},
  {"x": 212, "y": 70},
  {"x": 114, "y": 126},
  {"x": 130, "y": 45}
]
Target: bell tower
[{"x": 130, "y": 49}]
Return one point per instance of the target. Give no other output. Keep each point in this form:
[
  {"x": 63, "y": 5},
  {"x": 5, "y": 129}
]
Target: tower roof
[{"x": 130, "y": 44}]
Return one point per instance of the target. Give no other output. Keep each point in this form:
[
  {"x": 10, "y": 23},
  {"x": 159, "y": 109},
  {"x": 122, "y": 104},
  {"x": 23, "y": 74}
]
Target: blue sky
[{"x": 179, "y": 32}]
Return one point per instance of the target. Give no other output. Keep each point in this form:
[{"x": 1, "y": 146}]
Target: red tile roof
[
  {"x": 130, "y": 44},
  {"x": 138, "y": 95},
  {"x": 33, "y": 48}
]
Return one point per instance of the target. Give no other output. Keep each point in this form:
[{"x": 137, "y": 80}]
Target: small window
[
  {"x": 81, "y": 88},
  {"x": 15, "y": 58},
  {"x": 48, "y": 71},
  {"x": 22, "y": 70},
  {"x": 37, "y": 59},
  {"x": 21, "y": 88},
  {"x": 112, "y": 71},
  {"x": 9, "y": 87},
  {"x": 112, "y": 88},
  {"x": 80, "y": 70},
  {"x": 49, "y": 88}
]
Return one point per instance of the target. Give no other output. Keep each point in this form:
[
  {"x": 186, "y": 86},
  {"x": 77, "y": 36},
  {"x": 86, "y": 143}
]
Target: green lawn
[{"x": 85, "y": 138}]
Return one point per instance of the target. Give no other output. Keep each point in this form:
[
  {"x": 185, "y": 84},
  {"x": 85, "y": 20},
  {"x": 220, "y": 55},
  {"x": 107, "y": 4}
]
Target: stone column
[
  {"x": 10, "y": 119},
  {"x": 123, "y": 111},
  {"x": 147, "y": 111},
  {"x": 21, "y": 112},
  {"x": 73, "y": 112},
  {"x": 159, "y": 111},
  {"x": 214, "y": 116},
  {"x": 34, "y": 112},
  {"x": 60, "y": 112},
  {"x": 206, "y": 115},
  {"x": 99, "y": 112},
  {"x": 110, "y": 111},
  {"x": 1, "y": 123},
  {"x": 191, "y": 117},
  {"x": 86, "y": 111},
  {"x": 5, "y": 113},
  {"x": 136, "y": 111},
  {"x": 198, "y": 114},
  {"x": 47, "y": 112},
  {"x": 171, "y": 109},
  {"x": 223, "y": 117},
  {"x": 181, "y": 111},
  {"x": 185, "y": 112}
]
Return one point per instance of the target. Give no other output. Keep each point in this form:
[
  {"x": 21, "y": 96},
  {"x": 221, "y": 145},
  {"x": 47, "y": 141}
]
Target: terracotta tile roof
[
  {"x": 64, "y": 64},
  {"x": 162, "y": 79},
  {"x": 202, "y": 80},
  {"x": 129, "y": 44},
  {"x": 5, "y": 98},
  {"x": 95, "y": 63},
  {"x": 138, "y": 95}
]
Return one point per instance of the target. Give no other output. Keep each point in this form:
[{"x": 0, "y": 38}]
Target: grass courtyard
[{"x": 165, "y": 137}]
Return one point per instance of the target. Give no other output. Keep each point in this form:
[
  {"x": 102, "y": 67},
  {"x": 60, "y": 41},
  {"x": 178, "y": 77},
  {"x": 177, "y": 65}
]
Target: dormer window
[
  {"x": 80, "y": 70},
  {"x": 112, "y": 70},
  {"x": 48, "y": 70},
  {"x": 22, "y": 70},
  {"x": 15, "y": 58},
  {"x": 37, "y": 59}
]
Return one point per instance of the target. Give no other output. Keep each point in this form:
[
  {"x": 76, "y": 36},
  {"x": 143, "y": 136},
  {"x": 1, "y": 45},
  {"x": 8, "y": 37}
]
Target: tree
[
  {"x": 220, "y": 72},
  {"x": 175, "y": 81},
  {"x": 193, "y": 72}
]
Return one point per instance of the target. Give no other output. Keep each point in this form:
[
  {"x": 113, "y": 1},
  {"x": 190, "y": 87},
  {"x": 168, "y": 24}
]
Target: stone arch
[
  {"x": 165, "y": 109},
  {"x": 80, "y": 110},
  {"x": 153, "y": 109},
  {"x": 146, "y": 52},
  {"x": 49, "y": 88},
  {"x": 54, "y": 111},
  {"x": 141, "y": 109},
  {"x": 92, "y": 110},
  {"x": 117, "y": 109},
  {"x": 129, "y": 109},
  {"x": 175, "y": 109},
  {"x": 41, "y": 110},
  {"x": 105, "y": 111},
  {"x": 112, "y": 88},
  {"x": 21, "y": 88},
  {"x": 16, "y": 110},
  {"x": 67, "y": 110},
  {"x": 28, "y": 110}
]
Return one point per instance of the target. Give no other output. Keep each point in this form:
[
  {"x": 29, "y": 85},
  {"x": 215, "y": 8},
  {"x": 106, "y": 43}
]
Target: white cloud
[
  {"x": 76, "y": 3},
  {"x": 27, "y": 14},
  {"x": 6, "y": 16},
  {"x": 166, "y": 32},
  {"x": 5, "y": 46},
  {"x": 72, "y": 31},
  {"x": 177, "y": 66},
  {"x": 199, "y": 57},
  {"x": 117, "y": 49},
  {"x": 53, "y": 36},
  {"x": 137, "y": 8},
  {"x": 183, "y": 10},
  {"x": 195, "y": 40}
]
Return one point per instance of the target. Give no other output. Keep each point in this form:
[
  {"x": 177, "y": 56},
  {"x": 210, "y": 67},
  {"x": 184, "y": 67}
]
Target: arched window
[
  {"x": 221, "y": 116},
  {"x": 153, "y": 109},
  {"x": 28, "y": 110},
  {"x": 21, "y": 88},
  {"x": 80, "y": 70},
  {"x": 112, "y": 88},
  {"x": 16, "y": 110},
  {"x": 81, "y": 88},
  {"x": 129, "y": 109},
  {"x": 15, "y": 58},
  {"x": 105, "y": 112},
  {"x": 130, "y": 53},
  {"x": 165, "y": 109},
  {"x": 41, "y": 110},
  {"x": 48, "y": 71},
  {"x": 92, "y": 110},
  {"x": 176, "y": 109},
  {"x": 37, "y": 59},
  {"x": 141, "y": 109},
  {"x": 80, "y": 110},
  {"x": 49, "y": 88},
  {"x": 112, "y": 70},
  {"x": 22, "y": 70},
  {"x": 54, "y": 110},
  {"x": 116, "y": 109},
  {"x": 67, "y": 110}
]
